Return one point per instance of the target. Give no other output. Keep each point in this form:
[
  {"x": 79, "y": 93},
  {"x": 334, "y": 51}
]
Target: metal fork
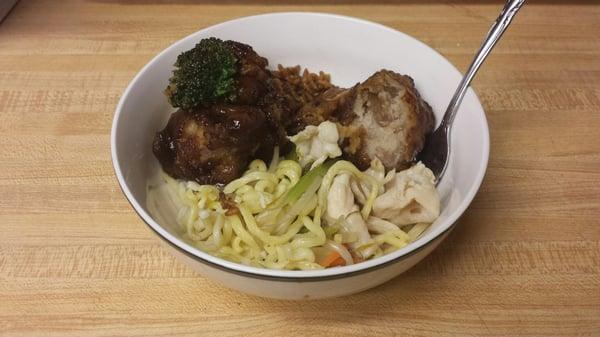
[{"x": 436, "y": 152}]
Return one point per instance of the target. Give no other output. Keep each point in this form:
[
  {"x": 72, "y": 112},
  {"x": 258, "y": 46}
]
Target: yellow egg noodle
[{"x": 270, "y": 228}]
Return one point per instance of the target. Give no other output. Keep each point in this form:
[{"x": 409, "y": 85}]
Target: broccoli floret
[{"x": 204, "y": 75}]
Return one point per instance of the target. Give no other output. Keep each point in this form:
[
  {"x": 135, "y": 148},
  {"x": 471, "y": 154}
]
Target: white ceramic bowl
[{"x": 350, "y": 50}]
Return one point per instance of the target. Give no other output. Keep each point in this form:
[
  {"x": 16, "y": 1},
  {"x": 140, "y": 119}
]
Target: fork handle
[{"x": 508, "y": 12}]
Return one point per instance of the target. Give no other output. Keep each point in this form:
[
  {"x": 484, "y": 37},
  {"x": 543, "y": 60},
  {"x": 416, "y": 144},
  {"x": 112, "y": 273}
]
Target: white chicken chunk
[
  {"x": 315, "y": 144},
  {"x": 340, "y": 200},
  {"x": 409, "y": 198},
  {"x": 362, "y": 188},
  {"x": 380, "y": 226},
  {"x": 340, "y": 204}
]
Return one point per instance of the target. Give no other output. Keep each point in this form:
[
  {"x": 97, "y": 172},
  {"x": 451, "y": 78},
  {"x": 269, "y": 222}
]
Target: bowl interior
[{"x": 348, "y": 49}]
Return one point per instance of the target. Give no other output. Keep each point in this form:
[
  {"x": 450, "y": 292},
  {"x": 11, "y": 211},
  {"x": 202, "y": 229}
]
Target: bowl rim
[{"x": 294, "y": 275}]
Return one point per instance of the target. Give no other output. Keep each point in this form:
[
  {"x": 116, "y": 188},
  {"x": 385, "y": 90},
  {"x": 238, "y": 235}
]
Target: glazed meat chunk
[
  {"x": 252, "y": 74},
  {"x": 215, "y": 145}
]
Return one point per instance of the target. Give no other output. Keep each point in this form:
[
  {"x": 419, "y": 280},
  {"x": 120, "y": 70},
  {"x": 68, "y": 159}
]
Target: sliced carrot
[
  {"x": 338, "y": 262},
  {"x": 331, "y": 259}
]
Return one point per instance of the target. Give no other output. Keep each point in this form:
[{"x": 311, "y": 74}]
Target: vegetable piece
[
  {"x": 306, "y": 181},
  {"x": 315, "y": 144},
  {"x": 204, "y": 74},
  {"x": 341, "y": 249},
  {"x": 298, "y": 197},
  {"x": 333, "y": 259},
  {"x": 338, "y": 262},
  {"x": 303, "y": 202}
]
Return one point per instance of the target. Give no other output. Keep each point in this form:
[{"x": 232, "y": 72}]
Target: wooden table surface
[{"x": 75, "y": 260}]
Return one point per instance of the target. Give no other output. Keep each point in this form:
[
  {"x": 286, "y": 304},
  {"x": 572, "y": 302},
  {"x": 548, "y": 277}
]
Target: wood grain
[{"x": 76, "y": 261}]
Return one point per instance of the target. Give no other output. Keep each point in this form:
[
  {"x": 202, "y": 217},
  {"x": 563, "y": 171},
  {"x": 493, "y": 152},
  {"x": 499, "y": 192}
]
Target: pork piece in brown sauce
[
  {"x": 214, "y": 145},
  {"x": 253, "y": 75},
  {"x": 383, "y": 117}
]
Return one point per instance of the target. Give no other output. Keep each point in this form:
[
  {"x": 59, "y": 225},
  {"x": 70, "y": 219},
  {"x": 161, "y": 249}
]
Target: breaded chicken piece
[
  {"x": 395, "y": 120},
  {"x": 383, "y": 117}
]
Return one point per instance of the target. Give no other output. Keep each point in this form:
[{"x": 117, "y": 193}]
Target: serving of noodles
[{"x": 275, "y": 216}]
